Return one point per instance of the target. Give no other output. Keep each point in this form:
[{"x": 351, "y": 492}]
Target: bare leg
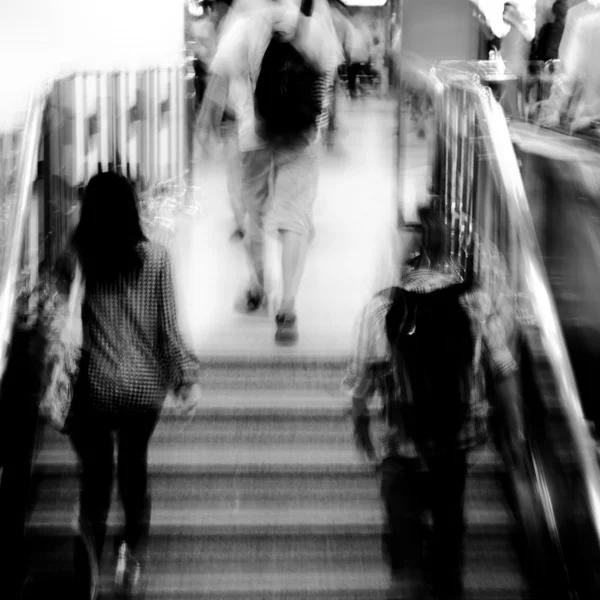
[
  {"x": 255, "y": 175},
  {"x": 293, "y": 259},
  {"x": 256, "y": 253},
  {"x": 234, "y": 176},
  {"x": 295, "y": 180}
]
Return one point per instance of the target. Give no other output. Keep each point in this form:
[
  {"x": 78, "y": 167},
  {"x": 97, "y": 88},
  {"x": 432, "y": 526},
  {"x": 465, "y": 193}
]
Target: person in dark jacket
[
  {"x": 133, "y": 354},
  {"x": 548, "y": 40},
  {"x": 412, "y": 481}
]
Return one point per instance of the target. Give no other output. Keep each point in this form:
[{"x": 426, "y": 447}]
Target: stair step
[
  {"x": 270, "y": 401},
  {"x": 257, "y": 419},
  {"x": 255, "y": 540},
  {"x": 184, "y": 475},
  {"x": 287, "y": 550},
  {"x": 254, "y": 418},
  {"x": 318, "y": 581},
  {"x": 340, "y": 584},
  {"x": 228, "y": 521},
  {"x": 263, "y": 496},
  {"x": 271, "y": 489},
  {"x": 243, "y": 458},
  {"x": 274, "y": 358},
  {"x": 170, "y": 556},
  {"x": 285, "y": 371}
]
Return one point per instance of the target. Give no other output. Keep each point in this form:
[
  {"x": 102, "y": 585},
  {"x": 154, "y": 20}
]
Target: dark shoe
[
  {"x": 287, "y": 329},
  {"x": 128, "y": 574},
  {"x": 237, "y": 235},
  {"x": 251, "y": 302}
]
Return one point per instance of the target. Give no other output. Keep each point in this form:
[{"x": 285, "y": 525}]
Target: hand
[
  {"x": 207, "y": 126},
  {"x": 206, "y": 136},
  {"x": 362, "y": 437},
  {"x": 189, "y": 400}
]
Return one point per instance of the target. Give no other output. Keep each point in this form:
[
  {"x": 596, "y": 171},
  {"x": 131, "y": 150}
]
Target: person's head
[
  {"x": 559, "y": 10},
  {"x": 109, "y": 228},
  {"x": 286, "y": 15},
  {"x": 433, "y": 244}
]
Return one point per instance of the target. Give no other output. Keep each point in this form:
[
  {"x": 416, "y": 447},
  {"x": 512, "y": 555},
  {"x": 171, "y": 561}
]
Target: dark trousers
[
  {"x": 93, "y": 438},
  {"x": 353, "y": 71},
  {"x": 408, "y": 492}
]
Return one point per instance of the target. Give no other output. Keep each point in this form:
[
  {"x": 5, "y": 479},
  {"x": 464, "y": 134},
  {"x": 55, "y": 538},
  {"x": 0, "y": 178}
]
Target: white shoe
[{"x": 128, "y": 572}]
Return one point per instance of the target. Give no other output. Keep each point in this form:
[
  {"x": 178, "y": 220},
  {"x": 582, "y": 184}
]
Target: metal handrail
[
  {"x": 543, "y": 304},
  {"x": 19, "y": 212},
  {"x": 506, "y": 170}
]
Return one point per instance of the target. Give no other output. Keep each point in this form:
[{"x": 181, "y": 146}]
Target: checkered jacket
[
  {"x": 370, "y": 372},
  {"x": 134, "y": 347}
]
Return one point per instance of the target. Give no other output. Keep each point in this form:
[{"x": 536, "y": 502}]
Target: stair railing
[
  {"x": 18, "y": 162},
  {"x": 21, "y": 348},
  {"x": 477, "y": 185}
]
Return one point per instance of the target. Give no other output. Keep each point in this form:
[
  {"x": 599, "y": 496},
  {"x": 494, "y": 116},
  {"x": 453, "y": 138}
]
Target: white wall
[{"x": 43, "y": 38}]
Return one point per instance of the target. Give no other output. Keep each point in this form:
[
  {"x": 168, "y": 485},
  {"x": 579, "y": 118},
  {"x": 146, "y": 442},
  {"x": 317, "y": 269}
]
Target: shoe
[
  {"x": 287, "y": 329},
  {"x": 251, "y": 302},
  {"x": 237, "y": 235},
  {"x": 128, "y": 573}
]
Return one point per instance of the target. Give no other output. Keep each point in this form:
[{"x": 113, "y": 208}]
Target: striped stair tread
[
  {"x": 304, "y": 585},
  {"x": 341, "y": 584},
  {"x": 288, "y": 550},
  {"x": 211, "y": 520},
  {"x": 263, "y": 373}
]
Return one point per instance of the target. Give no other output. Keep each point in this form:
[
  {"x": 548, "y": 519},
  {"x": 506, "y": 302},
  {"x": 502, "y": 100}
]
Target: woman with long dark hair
[{"x": 133, "y": 354}]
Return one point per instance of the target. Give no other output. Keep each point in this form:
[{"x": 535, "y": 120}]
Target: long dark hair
[{"x": 109, "y": 230}]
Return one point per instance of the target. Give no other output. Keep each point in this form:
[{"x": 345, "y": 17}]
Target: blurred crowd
[{"x": 558, "y": 77}]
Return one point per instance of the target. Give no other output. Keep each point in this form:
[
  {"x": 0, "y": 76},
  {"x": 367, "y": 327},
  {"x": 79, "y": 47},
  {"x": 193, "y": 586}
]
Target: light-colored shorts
[{"x": 279, "y": 185}]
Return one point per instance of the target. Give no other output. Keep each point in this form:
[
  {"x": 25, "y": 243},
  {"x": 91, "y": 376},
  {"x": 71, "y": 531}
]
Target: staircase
[{"x": 263, "y": 496}]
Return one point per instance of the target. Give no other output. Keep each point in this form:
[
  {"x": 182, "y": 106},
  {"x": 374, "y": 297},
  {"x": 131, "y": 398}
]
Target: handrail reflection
[{"x": 18, "y": 214}]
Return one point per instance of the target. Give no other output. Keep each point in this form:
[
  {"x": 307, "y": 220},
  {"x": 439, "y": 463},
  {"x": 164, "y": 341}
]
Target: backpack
[
  {"x": 432, "y": 352},
  {"x": 288, "y": 97}
]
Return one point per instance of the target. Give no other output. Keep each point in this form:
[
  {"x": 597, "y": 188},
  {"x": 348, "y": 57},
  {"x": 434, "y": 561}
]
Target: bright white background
[{"x": 43, "y": 38}]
